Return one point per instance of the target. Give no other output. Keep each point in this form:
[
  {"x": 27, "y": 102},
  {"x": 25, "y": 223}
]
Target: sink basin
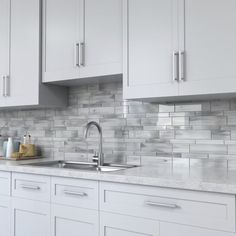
[{"x": 81, "y": 166}]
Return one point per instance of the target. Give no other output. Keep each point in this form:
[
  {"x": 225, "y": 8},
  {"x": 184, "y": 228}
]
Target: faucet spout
[{"x": 99, "y": 128}]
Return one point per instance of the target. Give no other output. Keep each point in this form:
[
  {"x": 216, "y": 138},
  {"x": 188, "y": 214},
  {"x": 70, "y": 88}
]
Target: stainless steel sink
[{"x": 81, "y": 166}]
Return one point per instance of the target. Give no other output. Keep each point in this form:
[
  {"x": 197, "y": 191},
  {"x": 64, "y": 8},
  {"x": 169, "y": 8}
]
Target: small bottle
[
  {"x": 29, "y": 139},
  {"x": 10, "y": 148},
  {"x": 24, "y": 139}
]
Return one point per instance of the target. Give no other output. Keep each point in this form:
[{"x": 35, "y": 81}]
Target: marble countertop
[{"x": 195, "y": 175}]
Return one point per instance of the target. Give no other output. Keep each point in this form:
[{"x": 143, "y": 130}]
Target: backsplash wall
[{"x": 130, "y": 129}]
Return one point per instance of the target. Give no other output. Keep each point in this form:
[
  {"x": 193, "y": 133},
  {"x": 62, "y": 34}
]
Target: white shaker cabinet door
[
  {"x": 30, "y": 218},
  {"x": 72, "y": 221},
  {"x": 208, "y": 36},
  {"x": 23, "y": 81},
  {"x": 168, "y": 229},
  {"x": 103, "y": 27},
  {"x": 20, "y": 57},
  {"x": 150, "y": 40},
  {"x": 63, "y": 20},
  {"x": 5, "y": 211},
  {"x": 81, "y": 39},
  {"x": 117, "y": 225},
  {"x": 4, "y": 44}
]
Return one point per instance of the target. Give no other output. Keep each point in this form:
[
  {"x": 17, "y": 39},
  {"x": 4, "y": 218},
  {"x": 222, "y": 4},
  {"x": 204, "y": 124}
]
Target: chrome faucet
[{"x": 98, "y": 158}]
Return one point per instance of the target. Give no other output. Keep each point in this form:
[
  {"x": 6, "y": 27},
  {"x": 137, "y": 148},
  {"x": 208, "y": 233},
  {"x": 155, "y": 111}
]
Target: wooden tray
[{"x": 19, "y": 159}]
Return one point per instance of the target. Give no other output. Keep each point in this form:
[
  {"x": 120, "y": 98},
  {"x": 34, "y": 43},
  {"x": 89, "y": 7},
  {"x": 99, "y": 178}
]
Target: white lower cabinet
[
  {"x": 5, "y": 212},
  {"x": 71, "y": 221},
  {"x": 200, "y": 209},
  {"x": 202, "y": 213},
  {"x": 5, "y": 203},
  {"x": 120, "y": 225},
  {"x": 168, "y": 229},
  {"x": 40, "y": 205},
  {"x": 30, "y": 218}
]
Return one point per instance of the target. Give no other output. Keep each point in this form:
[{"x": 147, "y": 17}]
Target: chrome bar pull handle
[
  {"x": 3, "y": 86},
  {"x": 80, "y": 194},
  {"x": 77, "y": 55},
  {"x": 182, "y": 66},
  {"x": 176, "y": 66},
  {"x": 82, "y": 54},
  {"x": 30, "y": 187},
  {"x": 7, "y": 86},
  {"x": 164, "y": 205}
]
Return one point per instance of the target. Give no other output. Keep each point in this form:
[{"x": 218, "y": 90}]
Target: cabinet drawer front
[
  {"x": 67, "y": 219},
  {"x": 35, "y": 187},
  {"x": 5, "y": 183},
  {"x": 210, "y": 210},
  {"x": 75, "y": 192}
]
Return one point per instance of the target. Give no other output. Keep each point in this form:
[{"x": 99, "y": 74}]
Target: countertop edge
[{"x": 125, "y": 179}]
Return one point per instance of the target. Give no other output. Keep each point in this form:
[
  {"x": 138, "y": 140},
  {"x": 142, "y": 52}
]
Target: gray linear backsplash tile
[
  {"x": 181, "y": 148},
  {"x": 221, "y": 134},
  {"x": 133, "y": 131},
  {"x": 232, "y": 149},
  {"x": 220, "y": 105},
  {"x": 208, "y": 120},
  {"x": 166, "y": 108},
  {"x": 232, "y": 120},
  {"x": 188, "y": 107},
  {"x": 193, "y": 134},
  {"x": 208, "y": 148},
  {"x": 176, "y": 121}
]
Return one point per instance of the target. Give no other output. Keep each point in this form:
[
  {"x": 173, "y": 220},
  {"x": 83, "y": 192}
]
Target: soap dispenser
[{"x": 10, "y": 148}]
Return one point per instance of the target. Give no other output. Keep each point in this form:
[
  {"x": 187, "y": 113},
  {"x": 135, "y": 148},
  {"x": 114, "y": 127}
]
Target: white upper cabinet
[
  {"x": 102, "y": 38},
  {"x": 200, "y": 34},
  {"x": 208, "y": 39},
  {"x": 61, "y": 38},
  {"x": 20, "y": 59},
  {"x": 150, "y": 42},
  {"x": 82, "y": 38},
  {"x": 23, "y": 79},
  {"x": 4, "y": 43}
]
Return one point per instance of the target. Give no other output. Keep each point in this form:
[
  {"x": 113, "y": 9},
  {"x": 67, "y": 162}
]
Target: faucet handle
[
  {"x": 96, "y": 154},
  {"x": 95, "y": 157}
]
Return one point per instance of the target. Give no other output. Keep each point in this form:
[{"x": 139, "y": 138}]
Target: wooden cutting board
[{"x": 19, "y": 159}]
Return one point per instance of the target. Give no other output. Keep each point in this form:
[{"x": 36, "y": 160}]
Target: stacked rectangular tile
[{"x": 133, "y": 131}]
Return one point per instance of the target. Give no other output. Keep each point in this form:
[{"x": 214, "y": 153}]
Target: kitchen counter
[{"x": 198, "y": 175}]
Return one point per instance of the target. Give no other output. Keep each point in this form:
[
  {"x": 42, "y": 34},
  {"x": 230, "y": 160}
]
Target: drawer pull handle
[
  {"x": 82, "y": 54},
  {"x": 80, "y": 194},
  {"x": 77, "y": 53},
  {"x": 7, "y": 86},
  {"x": 165, "y": 205},
  {"x": 176, "y": 66},
  {"x": 31, "y": 187},
  {"x": 182, "y": 66},
  {"x": 4, "y": 86}
]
